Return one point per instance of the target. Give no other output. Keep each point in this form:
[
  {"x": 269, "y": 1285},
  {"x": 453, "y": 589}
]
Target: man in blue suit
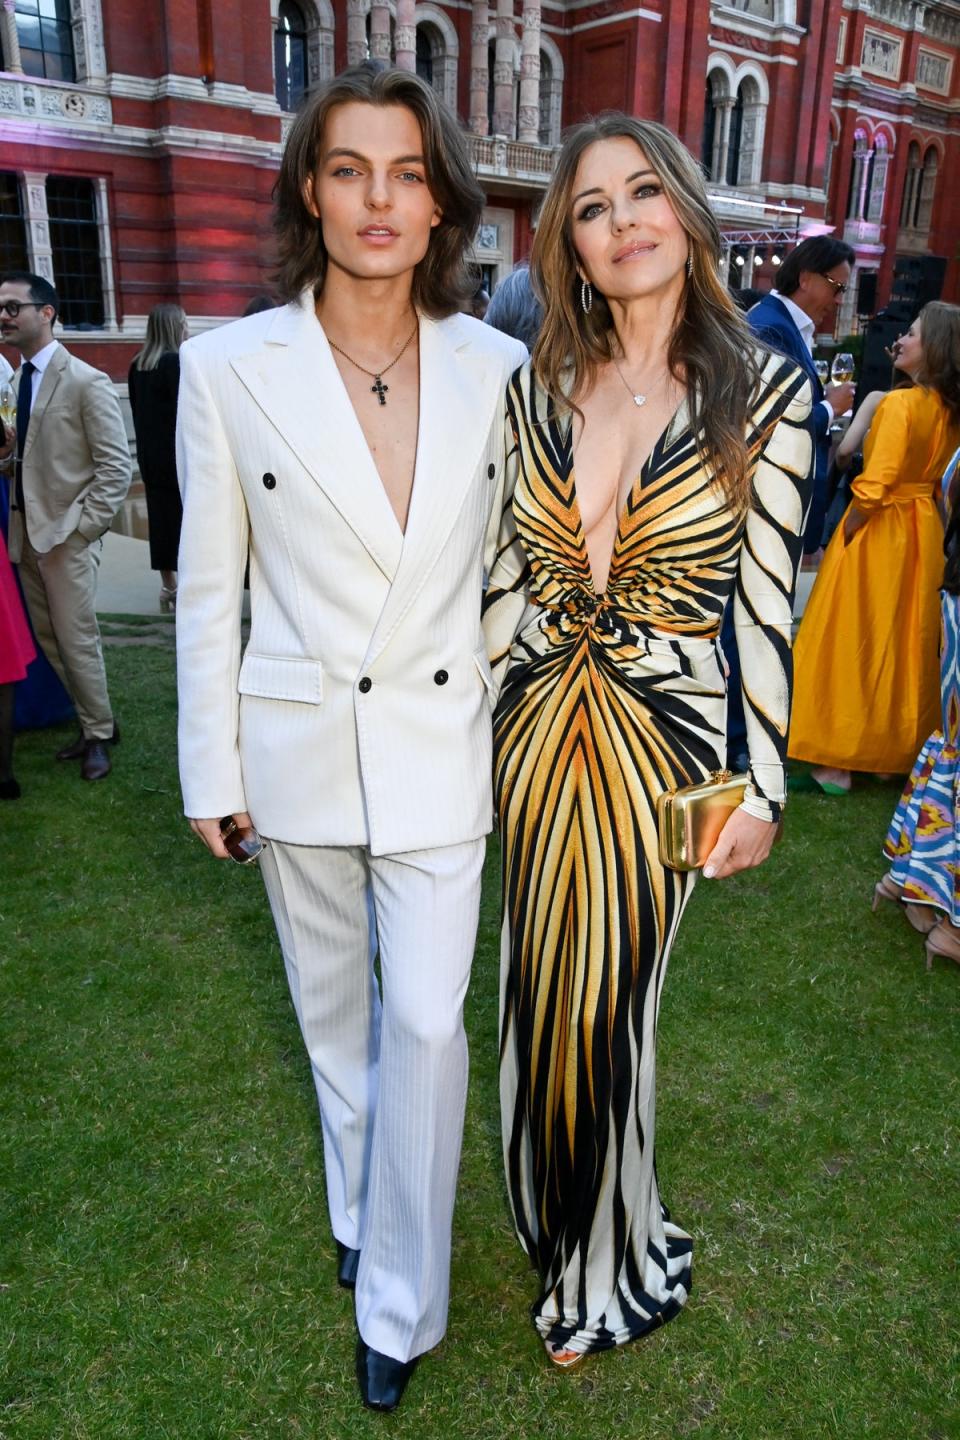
[{"x": 811, "y": 285}]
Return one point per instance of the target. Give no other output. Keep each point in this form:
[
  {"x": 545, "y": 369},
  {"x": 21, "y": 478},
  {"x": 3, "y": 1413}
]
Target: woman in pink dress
[{"x": 16, "y": 652}]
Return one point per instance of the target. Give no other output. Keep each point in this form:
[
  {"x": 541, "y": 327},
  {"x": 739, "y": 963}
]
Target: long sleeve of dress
[
  {"x": 508, "y": 570},
  {"x": 764, "y": 593},
  {"x": 887, "y": 448}
]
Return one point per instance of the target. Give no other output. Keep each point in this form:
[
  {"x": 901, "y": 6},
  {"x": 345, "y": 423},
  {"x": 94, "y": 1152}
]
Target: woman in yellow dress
[
  {"x": 658, "y": 461},
  {"x": 866, "y": 670}
]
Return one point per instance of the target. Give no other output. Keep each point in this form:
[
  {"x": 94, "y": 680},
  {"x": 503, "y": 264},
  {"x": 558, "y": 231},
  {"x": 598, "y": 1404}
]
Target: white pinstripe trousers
[{"x": 391, "y": 1077}]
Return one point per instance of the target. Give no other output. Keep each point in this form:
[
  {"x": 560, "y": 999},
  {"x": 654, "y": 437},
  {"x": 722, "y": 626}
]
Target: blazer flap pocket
[
  {"x": 483, "y": 665},
  {"x": 281, "y": 677}
]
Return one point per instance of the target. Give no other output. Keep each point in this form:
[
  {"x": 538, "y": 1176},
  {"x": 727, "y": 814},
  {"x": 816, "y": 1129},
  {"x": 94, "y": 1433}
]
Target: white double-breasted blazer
[{"x": 359, "y": 712}]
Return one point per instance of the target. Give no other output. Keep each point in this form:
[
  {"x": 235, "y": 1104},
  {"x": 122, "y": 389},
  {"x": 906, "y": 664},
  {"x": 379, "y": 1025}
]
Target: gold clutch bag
[{"x": 690, "y": 819}]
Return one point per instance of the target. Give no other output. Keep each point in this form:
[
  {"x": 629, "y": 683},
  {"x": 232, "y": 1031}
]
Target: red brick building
[{"x": 139, "y": 143}]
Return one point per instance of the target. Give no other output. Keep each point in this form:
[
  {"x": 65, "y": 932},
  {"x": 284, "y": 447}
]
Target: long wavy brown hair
[
  {"x": 940, "y": 338},
  {"x": 711, "y": 349},
  {"x": 444, "y": 280}
]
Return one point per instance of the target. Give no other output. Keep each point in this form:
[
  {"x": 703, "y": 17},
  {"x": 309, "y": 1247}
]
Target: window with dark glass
[
  {"x": 709, "y": 129},
  {"x": 736, "y": 135},
  {"x": 424, "y": 55},
  {"x": 75, "y": 241},
  {"x": 290, "y": 55},
  {"x": 46, "y": 38},
  {"x": 13, "y": 226}
]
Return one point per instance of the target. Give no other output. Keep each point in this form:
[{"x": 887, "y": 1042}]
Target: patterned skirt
[
  {"x": 923, "y": 842},
  {"x": 592, "y": 725}
]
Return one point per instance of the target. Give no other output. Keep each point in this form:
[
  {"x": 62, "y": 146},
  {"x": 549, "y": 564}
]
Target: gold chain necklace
[
  {"x": 635, "y": 396},
  {"x": 377, "y": 388}
]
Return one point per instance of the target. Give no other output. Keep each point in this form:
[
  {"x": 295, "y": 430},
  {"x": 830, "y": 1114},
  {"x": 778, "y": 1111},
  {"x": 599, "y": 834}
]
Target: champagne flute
[
  {"x": 842, "y": 368},
  {"x": 8, "y": 404},
  {"x": 822, "y": 368}
]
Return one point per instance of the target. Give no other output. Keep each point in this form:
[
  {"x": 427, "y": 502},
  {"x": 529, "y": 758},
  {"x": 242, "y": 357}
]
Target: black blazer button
[
  {"x": 269, "y": 481},
  {"x": 441, "y": 677},
  {"x": 491, "y": 471},
  {"x": 366, "y": 684}
]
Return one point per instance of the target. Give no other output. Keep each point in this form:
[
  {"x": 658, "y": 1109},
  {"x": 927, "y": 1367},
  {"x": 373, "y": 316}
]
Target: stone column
[
  {"x": 380, "y": 31},
  {"x": 726, "y": 108},
  {"x": 39, "y": 249},
  {"x": 8, "y": 36},
  {"x": 503, "y": 71},
  {"x": 106, "y": 256},
  {"x": 405, "y": 36},
  {"x": 529, "y": 127},
  {"x": 356, "y": 32},
  {"x": 479, "y": 70}
]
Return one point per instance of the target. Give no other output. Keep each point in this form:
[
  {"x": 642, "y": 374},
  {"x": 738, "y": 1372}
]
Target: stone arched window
[
  {"x": 290, "y": 55},
  {"x": 860, "y": 175},
  {"x": 752, "y": 105},
  {"x": 911, "y": 187},
  {"x": 551, "y": 97},
  {"x": 877, "y": 190},
  {"x": 716, "y": 128},
  {"x": 927, "y": 189},
  {"x": 437, "y": 51}
]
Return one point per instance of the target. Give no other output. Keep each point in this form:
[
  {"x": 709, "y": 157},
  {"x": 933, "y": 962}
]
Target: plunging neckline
[{"x": 622, "y": 510}]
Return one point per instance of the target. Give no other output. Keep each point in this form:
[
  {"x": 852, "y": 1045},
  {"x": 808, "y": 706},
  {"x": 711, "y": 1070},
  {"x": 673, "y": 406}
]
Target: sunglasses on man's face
[
  {"x": 13, "y": 307},
  {"x": 839, "y": 286}
]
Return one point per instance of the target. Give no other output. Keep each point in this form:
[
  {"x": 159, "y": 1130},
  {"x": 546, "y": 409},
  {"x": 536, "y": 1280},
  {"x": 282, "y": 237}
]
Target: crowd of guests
[
  {"x": 882, "y": 616},
  {"x": 617, "y": 466},
  {"x": 63, "y": 476}
]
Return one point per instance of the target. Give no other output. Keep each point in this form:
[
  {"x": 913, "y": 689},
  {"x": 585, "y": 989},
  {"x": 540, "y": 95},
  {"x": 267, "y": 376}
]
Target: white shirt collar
[
  {"x": 42, "y": 359},
  {"x": 799, "y": 317}
]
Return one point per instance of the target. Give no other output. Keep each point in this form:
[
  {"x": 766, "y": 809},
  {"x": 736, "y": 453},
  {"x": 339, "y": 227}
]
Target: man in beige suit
[{"x": 72, "y": 471}]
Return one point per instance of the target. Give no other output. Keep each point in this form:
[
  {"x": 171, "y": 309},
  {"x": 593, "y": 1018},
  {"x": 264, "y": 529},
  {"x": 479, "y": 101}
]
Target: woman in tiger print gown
[{"x": 602, "y": 615}]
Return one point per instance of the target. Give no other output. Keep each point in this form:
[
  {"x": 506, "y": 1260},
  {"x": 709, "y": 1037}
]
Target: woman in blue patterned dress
[{"x": 923, "y": 842}]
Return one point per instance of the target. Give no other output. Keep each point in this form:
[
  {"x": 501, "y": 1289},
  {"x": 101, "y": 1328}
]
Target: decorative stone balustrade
[
  {"x": 44, "y": 102},
  {"x": 512, "y": 161}
]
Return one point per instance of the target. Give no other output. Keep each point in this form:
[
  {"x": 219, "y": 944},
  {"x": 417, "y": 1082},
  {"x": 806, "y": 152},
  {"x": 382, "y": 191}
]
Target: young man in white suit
[{"x": 352, "y": 440}]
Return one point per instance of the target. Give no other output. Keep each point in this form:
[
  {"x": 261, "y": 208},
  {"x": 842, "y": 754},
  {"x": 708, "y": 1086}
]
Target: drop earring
[
  {"x": 689, "y": 264},
  {"x": 586, "y": 296}
]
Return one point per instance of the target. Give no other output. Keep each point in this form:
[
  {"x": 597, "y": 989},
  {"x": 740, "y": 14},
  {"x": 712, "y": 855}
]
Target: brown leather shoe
[
  {"x": 95, "y": 764},
  {"x": 75, "y": 750}
]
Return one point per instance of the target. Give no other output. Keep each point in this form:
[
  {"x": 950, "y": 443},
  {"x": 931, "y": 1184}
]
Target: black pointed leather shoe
[
  {"x": 382, "y": 1379},
  {"x": 74, "y": 751},
  {"x": 347, "y": 1262}
]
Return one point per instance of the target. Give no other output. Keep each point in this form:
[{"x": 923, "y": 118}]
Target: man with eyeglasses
[
  {"x": 810, "y": 288},
  {"x": 71, "y": 471},
  {"x": 811, "y": 284}
]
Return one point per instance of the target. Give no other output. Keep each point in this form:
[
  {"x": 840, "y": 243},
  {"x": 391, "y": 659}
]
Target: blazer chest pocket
[{"x": 281, "y": 677}]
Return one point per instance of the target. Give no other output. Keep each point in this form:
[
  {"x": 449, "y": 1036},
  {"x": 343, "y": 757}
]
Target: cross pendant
[{"x": 380, "y": 390}]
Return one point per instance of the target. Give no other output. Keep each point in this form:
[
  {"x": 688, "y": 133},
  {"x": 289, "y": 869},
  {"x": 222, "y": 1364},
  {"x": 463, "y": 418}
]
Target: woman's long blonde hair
[
  {"x": 165, "y": 327},
  {"x": 711, "y": 349}
]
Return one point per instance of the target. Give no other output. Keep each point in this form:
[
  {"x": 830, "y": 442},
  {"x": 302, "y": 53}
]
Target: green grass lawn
[{"x": 167, "y": 1267}]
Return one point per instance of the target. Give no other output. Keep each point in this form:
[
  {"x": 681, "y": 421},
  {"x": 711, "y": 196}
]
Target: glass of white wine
[
  {"x": 842, "y": 368},
  {"x": 822, "y": 368},
  {"x": 8, "y": 404}
]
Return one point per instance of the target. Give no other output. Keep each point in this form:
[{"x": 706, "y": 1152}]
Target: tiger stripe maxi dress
[{"x": 605, "y": 700}]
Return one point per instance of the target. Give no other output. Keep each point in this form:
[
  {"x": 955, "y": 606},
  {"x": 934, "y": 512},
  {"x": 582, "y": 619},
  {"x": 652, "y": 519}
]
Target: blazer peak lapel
[
  {"x": 293, "y": 378},
  {"x": 457, "y": 404}
]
